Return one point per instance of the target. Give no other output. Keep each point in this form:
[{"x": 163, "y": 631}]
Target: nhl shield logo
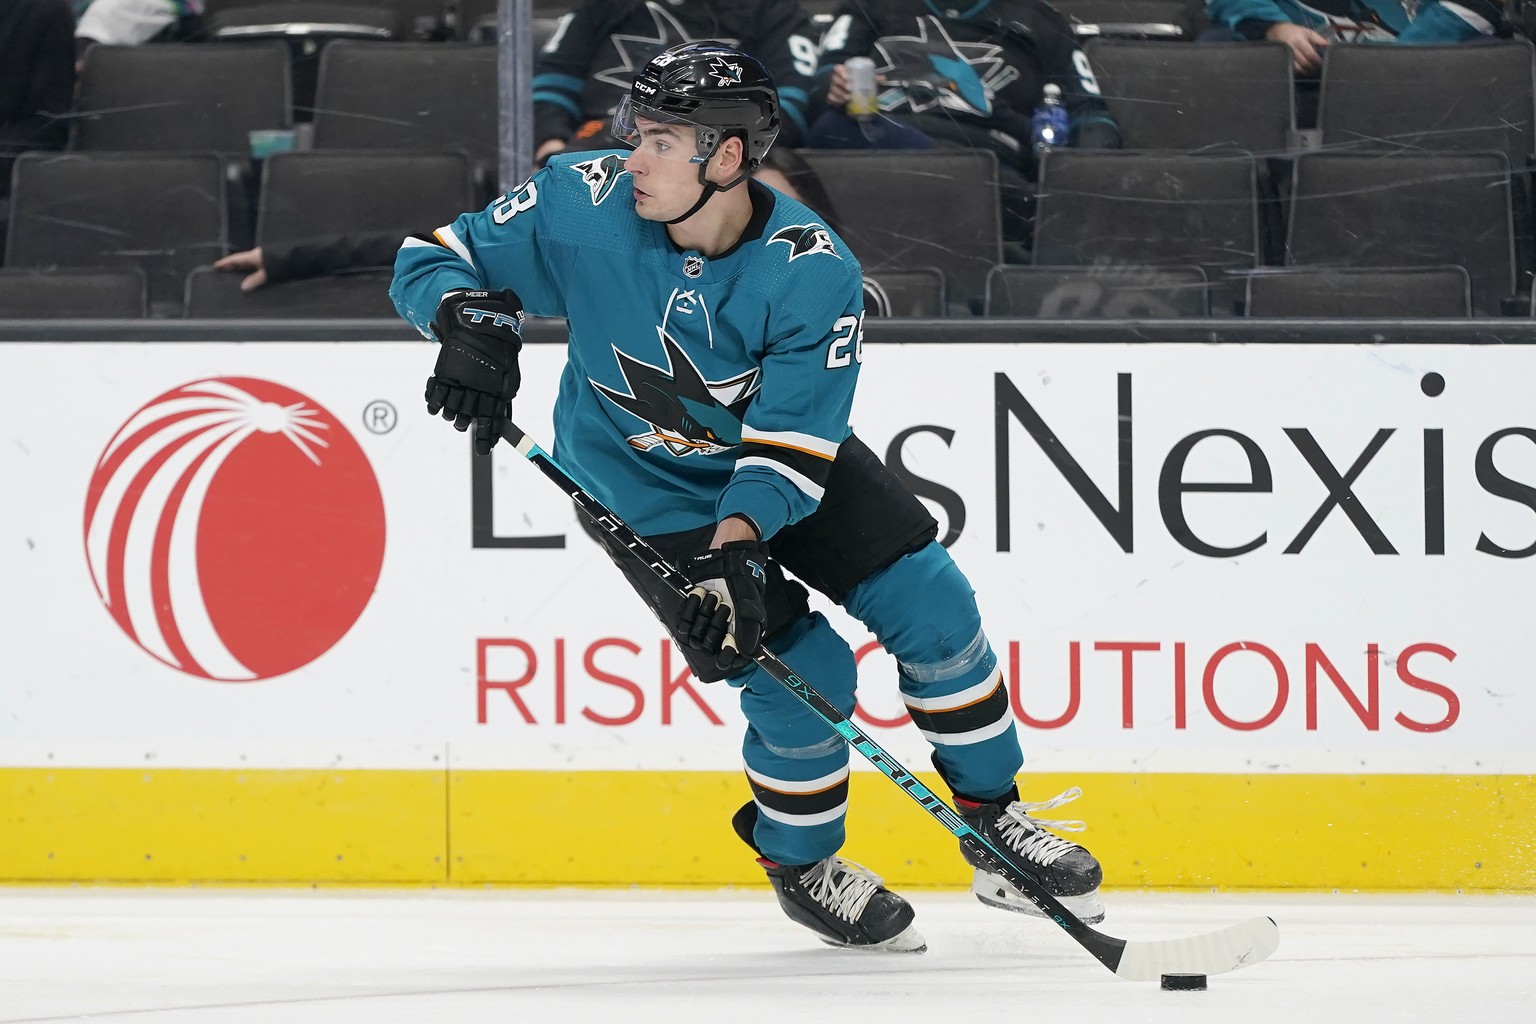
[{"x": 693, "y": 266}]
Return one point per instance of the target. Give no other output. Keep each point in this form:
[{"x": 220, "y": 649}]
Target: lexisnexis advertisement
[{"x": 1266, "y": 562}]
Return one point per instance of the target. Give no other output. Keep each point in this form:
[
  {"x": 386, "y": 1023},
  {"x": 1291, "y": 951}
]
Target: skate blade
[
  {"x": 908, "y": 941},
  {"x": 994, "y": 892}
]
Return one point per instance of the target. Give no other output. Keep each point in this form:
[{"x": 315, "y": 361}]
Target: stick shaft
[{"x": 1106, "y": 948}]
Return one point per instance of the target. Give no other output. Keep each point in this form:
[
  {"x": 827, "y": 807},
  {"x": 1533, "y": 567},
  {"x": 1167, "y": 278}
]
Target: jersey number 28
[{"x": 847, "y": 342}]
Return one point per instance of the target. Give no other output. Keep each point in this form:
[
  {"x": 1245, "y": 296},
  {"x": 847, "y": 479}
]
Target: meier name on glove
[{"x": 480, "y": 334}]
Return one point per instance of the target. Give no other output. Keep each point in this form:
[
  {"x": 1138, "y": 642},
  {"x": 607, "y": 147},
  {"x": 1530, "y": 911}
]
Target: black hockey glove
[
  {"x": 725, "y": 612},
  {"x": 476, "y": 376}
]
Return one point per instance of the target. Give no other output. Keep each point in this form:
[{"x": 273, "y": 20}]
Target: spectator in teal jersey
[{"x": 1307, "y": 28}]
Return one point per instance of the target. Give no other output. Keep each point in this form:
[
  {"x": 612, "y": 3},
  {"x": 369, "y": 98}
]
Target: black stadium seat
[
  {"x": 1407, "y": 209},
  {"x": 306, "y": 29},
  {"x": 1108, "y": 292},
  {"x": 73, "y": 293},
  {"x": 914, "y": 292},
  {"x": 309, "y": 195},
  {"x": 918, "y": 208},
  {"x": 1378, "y": 292},
  {"x": 1150, "y": 209},
  {"x": 409, "y": 96},
  {"x": 1190, "y": 96},
  {"x": 1437, "y": 98},
  {"x": 180, "y": 98},
  {"x": 216, "y": 294},
  {"x": 166, "y": 213}
]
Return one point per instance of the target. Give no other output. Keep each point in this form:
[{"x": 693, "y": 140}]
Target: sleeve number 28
[{"x": 847, "y": 342}]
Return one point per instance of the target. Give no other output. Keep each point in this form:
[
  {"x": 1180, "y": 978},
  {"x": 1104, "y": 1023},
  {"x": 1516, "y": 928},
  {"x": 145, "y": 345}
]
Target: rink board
[
  {"x": 1166, "y": 830},
  {"x": 264, "y": 620}
]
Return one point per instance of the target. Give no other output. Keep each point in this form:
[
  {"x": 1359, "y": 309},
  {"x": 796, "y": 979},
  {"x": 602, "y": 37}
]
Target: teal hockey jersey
[
  {"x": 695, "y": 387},
  {"x": 1402, "y": 21}
]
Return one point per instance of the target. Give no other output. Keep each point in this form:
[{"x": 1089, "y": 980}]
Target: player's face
[{"x": 666, "y": 178}]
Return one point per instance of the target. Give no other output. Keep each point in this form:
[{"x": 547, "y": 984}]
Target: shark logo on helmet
[{"x": 725, "y": 72}]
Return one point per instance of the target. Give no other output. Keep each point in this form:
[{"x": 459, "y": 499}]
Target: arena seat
[
  {"x": 306, "y": 29},
  {"x": 409, "y": 96},
  {"x": 1437, "y": 98},
  {"x": 309, "y": 195},
  {"x": 1166, "y": 95},
  {"x": 1108, "y": 292},
  {"x": 216, "y": 294},
  {"x": 1150, "y": 209},
  {"x": 913, "y": 292},
  {"x": 166, "y": 213},
  {"x": 918, "y": 208},
  {"x": 70, "y": 293},
  {"x": 180, "y": 98},
  {"x": 1378, "y": 292},
  {"x": 1407, "y": 209}
]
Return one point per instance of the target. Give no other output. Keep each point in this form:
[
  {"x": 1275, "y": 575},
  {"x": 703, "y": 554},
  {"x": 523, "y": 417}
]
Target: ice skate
[
  {"x": 844, "y": 904},
  {"x": 1070, "y": 873}
]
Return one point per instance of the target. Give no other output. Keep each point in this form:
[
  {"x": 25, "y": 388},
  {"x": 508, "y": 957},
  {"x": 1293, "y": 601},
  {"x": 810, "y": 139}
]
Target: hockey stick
[{"x": 1212, "y": 953}]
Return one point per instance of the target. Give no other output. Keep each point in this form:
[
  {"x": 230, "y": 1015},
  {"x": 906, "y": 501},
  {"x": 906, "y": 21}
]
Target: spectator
[
  {"x": 967, "y": 78},
  {"x": 131, "y": 22},
  {"x": 1307, "y": 29},
  {"x": 587, "y": 66},
  {"x": 37, "y": 80},
  {"x": 313, "y": 257}
]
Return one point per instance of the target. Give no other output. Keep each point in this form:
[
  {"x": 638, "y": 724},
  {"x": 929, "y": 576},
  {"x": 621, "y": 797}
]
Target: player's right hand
[
  {"x": 725, "y": 612},
  {"x": 476, "y": 377}
]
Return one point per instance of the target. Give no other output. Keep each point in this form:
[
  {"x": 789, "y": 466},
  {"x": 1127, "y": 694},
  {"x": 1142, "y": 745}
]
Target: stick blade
[{"x": 1218, "y": 952}]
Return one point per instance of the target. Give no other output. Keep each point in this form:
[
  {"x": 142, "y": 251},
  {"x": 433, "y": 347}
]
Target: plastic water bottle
[{"x": 1048, "y": 128}]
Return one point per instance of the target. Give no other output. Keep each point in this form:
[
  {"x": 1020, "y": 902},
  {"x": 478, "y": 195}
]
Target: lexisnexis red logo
[{"x": 234, "y": 529}]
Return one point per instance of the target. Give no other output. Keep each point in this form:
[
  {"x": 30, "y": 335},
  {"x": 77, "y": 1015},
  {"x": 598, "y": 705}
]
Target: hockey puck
[{"x": 1183, "y": 983}]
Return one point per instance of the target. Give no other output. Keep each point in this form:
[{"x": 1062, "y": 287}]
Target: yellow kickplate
[{"x": 1314, "y": 832}]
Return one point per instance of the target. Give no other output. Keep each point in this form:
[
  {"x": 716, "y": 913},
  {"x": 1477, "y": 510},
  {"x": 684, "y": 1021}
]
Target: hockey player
[
  {"x": 585, "y": 70},
  {"x": 714, "y": 344}
]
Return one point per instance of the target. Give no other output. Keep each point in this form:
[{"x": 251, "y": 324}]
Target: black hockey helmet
[{"x": 713, "y": 87}]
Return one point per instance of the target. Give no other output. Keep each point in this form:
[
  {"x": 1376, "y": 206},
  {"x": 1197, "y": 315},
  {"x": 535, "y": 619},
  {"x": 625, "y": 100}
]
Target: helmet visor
[{"x": 664, "y": 136}]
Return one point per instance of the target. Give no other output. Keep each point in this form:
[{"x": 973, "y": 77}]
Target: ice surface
[{"x": 229, "y": 956}]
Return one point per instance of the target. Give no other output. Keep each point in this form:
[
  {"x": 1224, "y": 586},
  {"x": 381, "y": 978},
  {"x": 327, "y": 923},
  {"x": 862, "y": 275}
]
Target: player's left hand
[
  {"x": 476, "y": 378},
  {"x": 725, "y": 612}
]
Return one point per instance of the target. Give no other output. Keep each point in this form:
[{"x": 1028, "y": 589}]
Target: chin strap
[{"x": 710, "y": 188}]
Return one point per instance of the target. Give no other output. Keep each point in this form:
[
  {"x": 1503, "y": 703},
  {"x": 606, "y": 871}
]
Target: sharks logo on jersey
[
  {"x": 931, "y": 70},
  {"x": 600, "y": 175},
  {"x": 805, "y": 240},
  {"x": 687, "y": 414}
]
